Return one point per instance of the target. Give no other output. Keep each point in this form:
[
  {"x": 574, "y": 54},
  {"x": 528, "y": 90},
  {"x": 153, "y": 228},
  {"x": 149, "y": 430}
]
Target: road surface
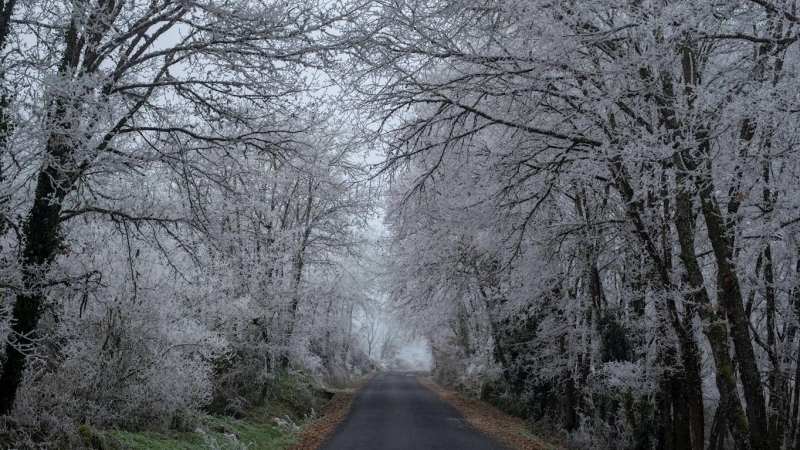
[{"x": 394, "y": 411}]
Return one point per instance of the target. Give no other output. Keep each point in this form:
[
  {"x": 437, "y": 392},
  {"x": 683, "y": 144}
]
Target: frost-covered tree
[
  {"x": 599, "y": 190},
  {"x": 173, "y": 195}
]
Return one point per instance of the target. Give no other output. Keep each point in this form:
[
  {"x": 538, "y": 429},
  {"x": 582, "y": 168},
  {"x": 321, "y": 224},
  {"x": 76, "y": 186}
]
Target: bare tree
[{"x": 128, "y": 80}]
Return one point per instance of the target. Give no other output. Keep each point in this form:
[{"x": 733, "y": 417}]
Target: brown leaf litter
[
  {"x": 333, "y": 413},
  {"x": 509, "y": 430}
]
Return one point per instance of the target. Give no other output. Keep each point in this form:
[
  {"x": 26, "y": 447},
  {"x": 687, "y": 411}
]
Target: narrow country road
[{"x": 394, "y": 411}]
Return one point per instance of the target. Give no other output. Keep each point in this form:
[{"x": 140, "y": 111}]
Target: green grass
[
  {"x": 255, "y": 432},
  {"x": 293, "y": 397}
]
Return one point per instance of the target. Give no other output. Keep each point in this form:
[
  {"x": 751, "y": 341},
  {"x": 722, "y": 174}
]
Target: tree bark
[
  {"x": 41, "y": 232},
  {"x": 718, "y": 430},
  {"x": 689, "y": 352},
  {"x": 730, "y": 297},
  {"x": 716, "y": 331},
  {"x": 41, "y": 246}
]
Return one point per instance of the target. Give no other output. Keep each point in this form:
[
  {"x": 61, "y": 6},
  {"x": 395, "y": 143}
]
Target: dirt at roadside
[
  {"x": 333, "y": 413},
  {"x": 490, "y": 420}
]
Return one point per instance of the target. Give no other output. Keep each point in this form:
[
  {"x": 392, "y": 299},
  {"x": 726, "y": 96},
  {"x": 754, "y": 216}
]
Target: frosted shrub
[
  {"x": 239, "y": 381},
  {"x": 227, "y": 441},
  {"x": 286, "y": 425},
  {"x": 124, "y": 363}
]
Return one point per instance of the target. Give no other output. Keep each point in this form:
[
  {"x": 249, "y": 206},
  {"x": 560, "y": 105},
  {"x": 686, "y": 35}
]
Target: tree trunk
[
  {"x": 41, "y": 246},
  {"x": 570, "y": 404},
  {"x": 717, "y": 330},
  {"x": 41, "y": 230},
  {"x": 718, "y": 430},
  {"x": 299, "y": 263},
  {"x": 730, "y": 297},
  {"x": 667, "y": 425},
  {"x": 689, "y": 351},
  {"x": 794, "y": 405},
  {"x": 774, "y": 382},
  {"x": 5, "y": 21}
]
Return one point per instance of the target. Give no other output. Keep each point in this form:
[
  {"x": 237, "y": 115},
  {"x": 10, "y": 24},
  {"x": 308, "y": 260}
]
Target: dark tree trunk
[
  {"x": 730, "y": 296},
  {"x": 667, "y": 441},
  {"x": 41, "y": 232},
  {"x": 774, "y": 383},
  {"x": 570, "y": 405},
  {"x": 299, "y": 263},
  {"x": 795, "y": 393},
  {"x": 717, "y": 331},
  {"x": 41, "y": 246},
  {"x": 689, "y": 352},
  {"x": 677, "y": 426},
  {"x": 718, "y": 431},
  {"x": 5, "y": 21}
]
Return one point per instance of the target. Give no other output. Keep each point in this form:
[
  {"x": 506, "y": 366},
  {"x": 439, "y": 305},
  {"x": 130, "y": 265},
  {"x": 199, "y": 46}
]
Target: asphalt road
[{"x": 394, "y": 411}]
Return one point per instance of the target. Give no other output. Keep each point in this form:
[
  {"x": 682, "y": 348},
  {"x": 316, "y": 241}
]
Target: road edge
[
  {"x": 333, "y": 413},
  {"x": 509, "y": 430}
]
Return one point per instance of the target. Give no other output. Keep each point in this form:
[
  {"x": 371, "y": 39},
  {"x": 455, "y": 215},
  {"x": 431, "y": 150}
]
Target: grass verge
[
  {"x": 255, "y": 432},
  {"x": 274, "y": 426},
  {"x": 509, "y": 430}
]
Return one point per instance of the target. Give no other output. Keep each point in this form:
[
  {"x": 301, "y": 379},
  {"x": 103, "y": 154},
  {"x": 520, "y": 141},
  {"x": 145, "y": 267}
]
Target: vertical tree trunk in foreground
[{"x": 40, "y": 232}]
